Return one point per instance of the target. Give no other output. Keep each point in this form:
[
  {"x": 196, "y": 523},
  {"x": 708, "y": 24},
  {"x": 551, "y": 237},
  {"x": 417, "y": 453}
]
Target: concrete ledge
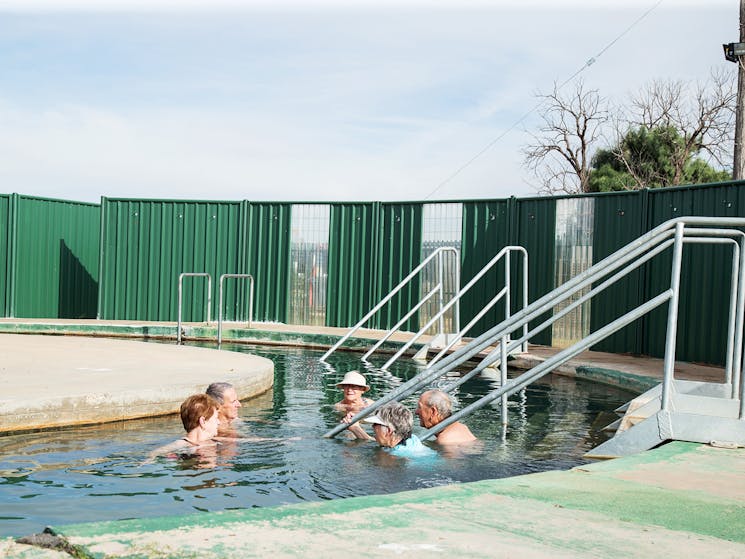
[
  {"x": 53, "y": 381},
  {"x": 680, "y": 500}
]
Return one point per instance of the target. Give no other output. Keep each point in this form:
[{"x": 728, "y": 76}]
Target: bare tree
[
  {"x": 560, "y": 154},
  {"x": 703, "y": 116}
]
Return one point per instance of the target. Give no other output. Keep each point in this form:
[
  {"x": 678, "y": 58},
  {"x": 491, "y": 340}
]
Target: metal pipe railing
[
  {"x": 250, "y": 302},
  {"x": 492, "y": 357},
  {"x": 634, "y": 250},
  {"x": 407, "y": 316},
  {"x": 547, "y": 366},
  {"x": 504, "y": 253},
  {"x": 387, "y": 298},
  {"x": 609, "y": 264},
  {"x": 209, "y": 298}
]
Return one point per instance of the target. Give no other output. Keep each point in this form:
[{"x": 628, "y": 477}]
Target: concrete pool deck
[
  {"x": 682, "y": 498},
  {"x": 56, "y": 381}
]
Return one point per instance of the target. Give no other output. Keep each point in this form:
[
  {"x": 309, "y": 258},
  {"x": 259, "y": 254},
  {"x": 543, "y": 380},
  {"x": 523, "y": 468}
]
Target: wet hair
[
  {"x": 398, "y": 417},
  {"x": 440, "y": 401},
  {"x": 196, "y": 406},
  {"x": 217, "y": 391}
]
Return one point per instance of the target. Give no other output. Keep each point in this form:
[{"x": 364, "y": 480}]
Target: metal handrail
[
  {"x": 209, "y": 298},
  {"x": 456, "y": 299},
  {"x": 505, "y": 292},
  {"x": 250, "y": 302},
  {"x": 387, "y": 298},
  {"x": 437, "y": 289},
  {"x": 634, "y": 251}
]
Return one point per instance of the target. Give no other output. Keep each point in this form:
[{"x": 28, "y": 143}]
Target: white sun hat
[{"x": 355, "y": 379}]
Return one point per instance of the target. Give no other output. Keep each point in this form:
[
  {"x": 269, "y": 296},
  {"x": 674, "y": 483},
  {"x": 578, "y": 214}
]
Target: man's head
[
  {"x": 199, "y": 407},
  {"x": 433, "y": 407},
  {"x": 227, "y": 397},
  {"x": 392, "y": 423}
]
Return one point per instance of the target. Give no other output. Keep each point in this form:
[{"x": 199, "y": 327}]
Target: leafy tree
[{"x": 650, "y": 158}]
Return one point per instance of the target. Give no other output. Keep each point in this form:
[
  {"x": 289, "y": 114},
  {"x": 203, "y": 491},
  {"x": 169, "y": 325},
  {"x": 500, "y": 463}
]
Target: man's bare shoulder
[{"x": 455, "y": 434}]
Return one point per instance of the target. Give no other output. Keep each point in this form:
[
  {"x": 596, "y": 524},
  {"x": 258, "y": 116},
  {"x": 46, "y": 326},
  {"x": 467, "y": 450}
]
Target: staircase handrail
[
  {"x": 504, "y": 253},
  {"x": 387, "y": 298},
  {"x": 436, "y": 290},
  {"x": 611, "y": 263}
]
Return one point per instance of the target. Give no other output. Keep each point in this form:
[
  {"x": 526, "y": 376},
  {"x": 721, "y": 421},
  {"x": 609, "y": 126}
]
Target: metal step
[{"x": 722, "y": 425}]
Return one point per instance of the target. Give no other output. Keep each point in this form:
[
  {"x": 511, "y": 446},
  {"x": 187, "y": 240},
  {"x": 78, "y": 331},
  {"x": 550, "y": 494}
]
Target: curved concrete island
[{"x": 56, "y": 381}]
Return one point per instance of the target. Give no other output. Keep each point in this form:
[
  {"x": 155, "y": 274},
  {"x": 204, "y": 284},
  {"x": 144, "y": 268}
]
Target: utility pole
[{"x": 738, "y": 167}]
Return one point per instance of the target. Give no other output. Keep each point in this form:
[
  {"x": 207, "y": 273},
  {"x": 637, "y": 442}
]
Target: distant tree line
[{"x": 669, "y": 133}]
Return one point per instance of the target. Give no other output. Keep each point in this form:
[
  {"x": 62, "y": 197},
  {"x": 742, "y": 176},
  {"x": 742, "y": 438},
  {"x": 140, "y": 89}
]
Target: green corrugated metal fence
[
  {"x": 486, "y": 230},
  {"x": 619, "y": 219},
  {"x": 268, "y": 258},
  {"x": 705, "y": 281},
  {"x": 351, "y": 268},
  {"x": 55, "y": 258},
  {"x": 147, "y": 244},
  {"x": 5, "y": 253},
  {"x": 52, "y": 253},
  {"x": 399, "y": 253},
  {"x": 533, "y": 228}
]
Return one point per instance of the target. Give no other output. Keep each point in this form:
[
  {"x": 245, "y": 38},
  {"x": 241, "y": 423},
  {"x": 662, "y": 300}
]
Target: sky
[{"x": 316, "y": 100}]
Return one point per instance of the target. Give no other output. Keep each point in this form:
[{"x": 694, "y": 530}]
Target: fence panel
[
  {"x": 705, "y": 278},
  {"x": 486, "y": 231},
  {"x": 619, "y": 219},
  {"x": 534, "y": 229},
  {"x": 351, "y": 269},
  {"x": 309, "y": 242},
  {"x": 399, "y": 253},
  {"x": 56, "y": 258},
  {"x": 147, "y": 244},
  {"x": 6, "y": 244},
  {"x": 268, "y": 258}
]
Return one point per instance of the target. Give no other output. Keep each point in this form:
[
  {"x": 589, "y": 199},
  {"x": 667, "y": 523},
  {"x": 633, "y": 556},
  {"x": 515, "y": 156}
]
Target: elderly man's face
[
  {"x": 230, "y": 405},
  {"x": 427, "y": 414}
]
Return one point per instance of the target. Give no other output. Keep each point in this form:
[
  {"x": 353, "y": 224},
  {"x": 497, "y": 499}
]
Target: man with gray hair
[
  {"x": 433, "y": 407},
  {"x": 226, "y": 396}
]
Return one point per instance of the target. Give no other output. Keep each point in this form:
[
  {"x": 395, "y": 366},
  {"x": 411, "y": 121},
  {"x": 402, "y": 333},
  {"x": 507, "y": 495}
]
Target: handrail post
[
  {"x": 734, "y": 287},
  {"x": 740, "y": 312},
  {"x": 525, "y": 299},
  {"x": 672, "y": 317},
  {"x": 503, "y": 377},
  {"x": 441, "y": 277}
]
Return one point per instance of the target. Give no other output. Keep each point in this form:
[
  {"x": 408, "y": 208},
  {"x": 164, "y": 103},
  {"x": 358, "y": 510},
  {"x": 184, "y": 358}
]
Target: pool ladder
[
  {"x": 449, "y": 340},
  {"x": 223, "y": 277}
]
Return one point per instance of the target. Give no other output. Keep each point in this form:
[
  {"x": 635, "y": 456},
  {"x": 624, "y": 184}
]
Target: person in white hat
[{"x": 354, "y": 386}]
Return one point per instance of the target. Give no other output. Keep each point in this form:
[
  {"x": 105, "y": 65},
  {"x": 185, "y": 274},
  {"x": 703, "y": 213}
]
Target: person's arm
[{"x": 356, "y": 429}]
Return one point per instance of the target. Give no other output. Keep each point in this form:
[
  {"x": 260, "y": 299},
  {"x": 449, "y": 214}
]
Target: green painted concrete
[{"x": 631, "y": 507}]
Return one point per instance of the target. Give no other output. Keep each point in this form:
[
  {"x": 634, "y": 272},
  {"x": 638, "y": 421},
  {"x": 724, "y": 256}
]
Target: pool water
[{"x": 100, "y": 472}]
